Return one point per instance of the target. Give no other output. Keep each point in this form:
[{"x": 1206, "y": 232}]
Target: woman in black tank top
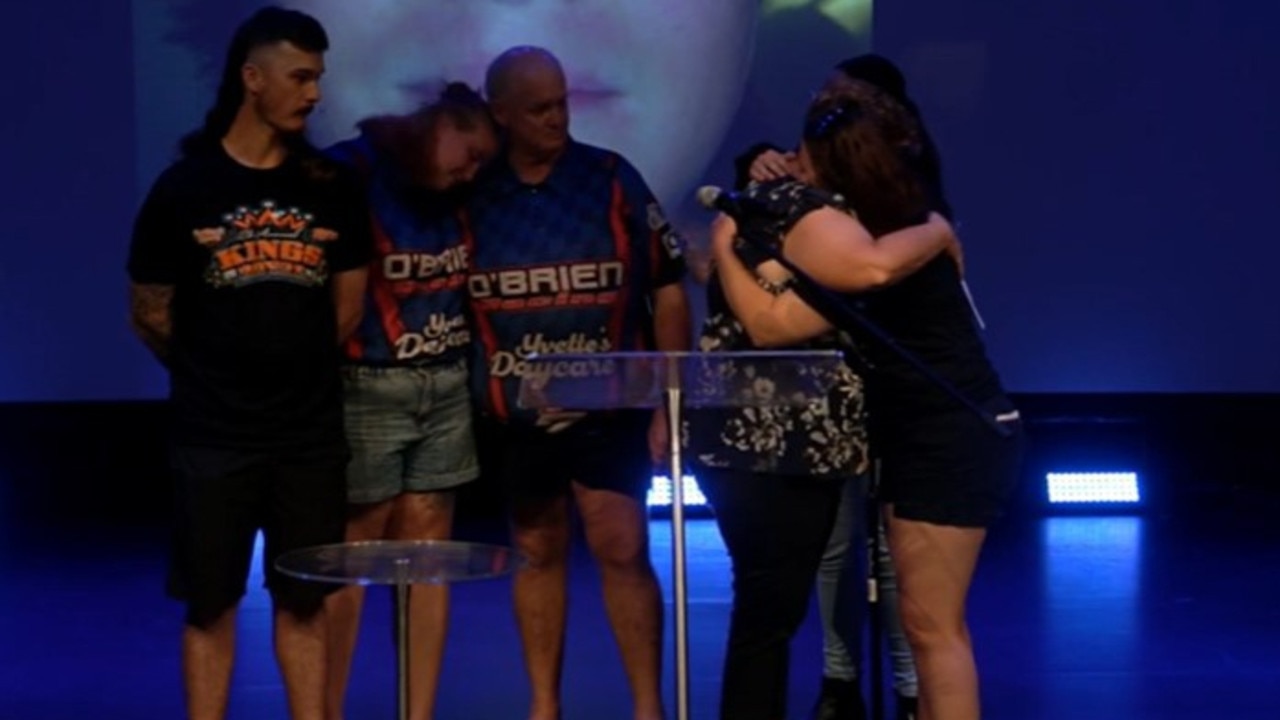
[{"x": 946, "y": 474}]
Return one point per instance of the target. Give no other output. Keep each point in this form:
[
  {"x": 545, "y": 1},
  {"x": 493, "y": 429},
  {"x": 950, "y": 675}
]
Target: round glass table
[{"x": 400, "y": 564}]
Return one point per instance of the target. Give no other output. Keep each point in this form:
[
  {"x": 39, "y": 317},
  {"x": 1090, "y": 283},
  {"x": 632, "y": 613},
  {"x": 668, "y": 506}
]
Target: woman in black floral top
[
  {"x": 775, "y": 474},
  {"x": 824, "y": 438}
]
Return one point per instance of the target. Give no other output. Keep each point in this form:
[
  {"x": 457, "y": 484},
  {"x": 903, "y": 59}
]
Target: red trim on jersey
[
  {"x": 622, "y": 249},
  {"x": 354, "y": 346},
  {"x": 497, "y": 401},
  {"x": 383, "y": 298}
]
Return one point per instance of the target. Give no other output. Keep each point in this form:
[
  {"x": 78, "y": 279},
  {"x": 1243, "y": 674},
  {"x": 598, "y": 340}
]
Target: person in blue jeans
[
  {"x": 407, "y": 398},
  {"x": 842, "y": 604}
]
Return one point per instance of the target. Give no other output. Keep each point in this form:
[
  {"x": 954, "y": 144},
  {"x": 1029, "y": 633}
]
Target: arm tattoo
[{"x": 151, "y": 316}]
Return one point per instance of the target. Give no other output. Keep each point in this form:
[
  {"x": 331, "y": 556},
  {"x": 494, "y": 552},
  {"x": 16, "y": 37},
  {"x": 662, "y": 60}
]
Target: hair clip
[{"x": 832, "y": 120}]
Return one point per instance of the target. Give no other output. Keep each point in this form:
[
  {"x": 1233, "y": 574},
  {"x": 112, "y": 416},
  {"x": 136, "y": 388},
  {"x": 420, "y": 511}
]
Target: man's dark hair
[
  {"x": 268, "y": 26},
  {"x": 879, "y": 71}
]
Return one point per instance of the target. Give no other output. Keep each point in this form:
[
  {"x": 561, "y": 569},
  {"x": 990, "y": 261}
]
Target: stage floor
[{"x": 1170, "y": 615}]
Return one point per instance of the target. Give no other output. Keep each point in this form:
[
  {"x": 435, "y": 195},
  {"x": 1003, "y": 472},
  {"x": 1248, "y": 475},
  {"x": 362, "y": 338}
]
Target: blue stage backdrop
[{"x": 1110, "y": 163}]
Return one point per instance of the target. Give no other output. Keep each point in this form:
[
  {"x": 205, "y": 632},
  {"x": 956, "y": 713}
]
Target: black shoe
[
  {"x": 906, "y": 708},
  {"x": 840, "y": 700}
]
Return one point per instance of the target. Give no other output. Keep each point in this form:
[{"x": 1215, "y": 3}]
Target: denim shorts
[{"x": 410, "y": 430}]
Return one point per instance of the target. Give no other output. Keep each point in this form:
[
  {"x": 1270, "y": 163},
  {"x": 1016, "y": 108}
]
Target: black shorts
[
  {"x": 951, "y": 468},
  {"x": 225, "y": 496},
  {"x": 601, "y": 452}
]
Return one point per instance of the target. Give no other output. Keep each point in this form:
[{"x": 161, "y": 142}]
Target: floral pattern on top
[{"x": 817, "y": 434}]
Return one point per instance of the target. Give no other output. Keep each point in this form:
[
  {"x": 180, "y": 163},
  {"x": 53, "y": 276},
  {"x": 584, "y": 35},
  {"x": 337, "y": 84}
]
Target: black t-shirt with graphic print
[{"x": 250, "y": 254}]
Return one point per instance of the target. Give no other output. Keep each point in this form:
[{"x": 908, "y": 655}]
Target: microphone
[{"x": 735, "y": 205}]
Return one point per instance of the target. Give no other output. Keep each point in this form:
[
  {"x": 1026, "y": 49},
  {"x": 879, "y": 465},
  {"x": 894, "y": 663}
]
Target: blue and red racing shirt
[
  {"x": 415, "y": 309},
  {"x": 569, "y": 265}
]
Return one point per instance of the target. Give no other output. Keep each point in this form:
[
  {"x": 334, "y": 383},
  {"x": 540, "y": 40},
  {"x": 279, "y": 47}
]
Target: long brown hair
[
  {"x": 407, "y": 138},
  {"x": 861, "y": 142}
]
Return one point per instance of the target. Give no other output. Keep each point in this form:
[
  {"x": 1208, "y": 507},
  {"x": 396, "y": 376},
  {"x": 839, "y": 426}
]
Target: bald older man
[{"x": 571, "y": 253}]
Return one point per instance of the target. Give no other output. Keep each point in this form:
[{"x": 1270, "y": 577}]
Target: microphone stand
[{"x": 842, "y": 314}]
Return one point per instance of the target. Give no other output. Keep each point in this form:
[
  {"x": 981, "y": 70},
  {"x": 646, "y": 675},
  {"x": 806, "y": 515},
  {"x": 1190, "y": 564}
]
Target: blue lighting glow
[
  {"x": 660, "y": 492},
  {"x": 1093, "y": 487}
]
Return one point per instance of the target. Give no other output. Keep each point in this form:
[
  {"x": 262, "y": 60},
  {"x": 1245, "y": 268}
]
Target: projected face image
[{"x": 657, "y": 80}]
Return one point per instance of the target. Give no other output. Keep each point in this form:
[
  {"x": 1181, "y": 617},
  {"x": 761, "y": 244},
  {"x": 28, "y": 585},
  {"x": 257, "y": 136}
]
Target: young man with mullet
[{"x": 247, "y": 267}]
